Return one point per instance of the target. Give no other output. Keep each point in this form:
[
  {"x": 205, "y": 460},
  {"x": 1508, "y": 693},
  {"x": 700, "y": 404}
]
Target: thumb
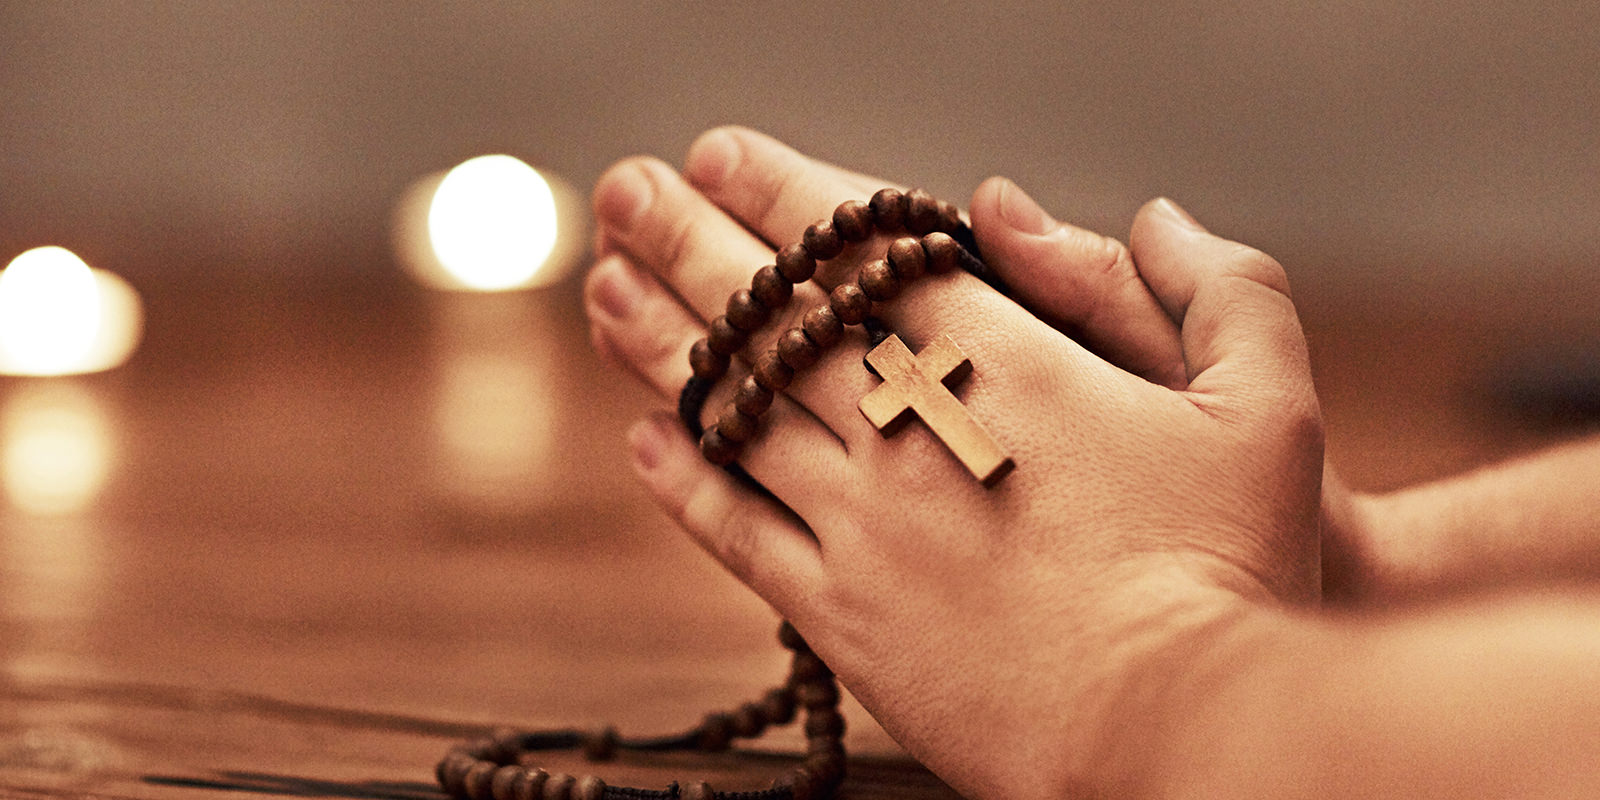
[{"x": 1241, "y": 336}]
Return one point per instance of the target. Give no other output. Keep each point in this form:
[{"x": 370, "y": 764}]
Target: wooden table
[{"x": 314, "y": 533}]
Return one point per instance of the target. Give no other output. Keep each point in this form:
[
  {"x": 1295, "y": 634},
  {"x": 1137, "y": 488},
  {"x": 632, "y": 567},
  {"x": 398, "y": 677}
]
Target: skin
[{"x": 1133, "y": 611}]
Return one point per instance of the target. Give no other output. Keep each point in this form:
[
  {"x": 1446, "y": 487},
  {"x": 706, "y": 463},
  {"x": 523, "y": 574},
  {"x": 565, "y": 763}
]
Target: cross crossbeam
[{"x": 918, "y": 385}]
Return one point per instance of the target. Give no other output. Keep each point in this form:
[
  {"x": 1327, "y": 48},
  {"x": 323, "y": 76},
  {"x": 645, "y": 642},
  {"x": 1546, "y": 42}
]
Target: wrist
[{"x": 1187, "y": 644}]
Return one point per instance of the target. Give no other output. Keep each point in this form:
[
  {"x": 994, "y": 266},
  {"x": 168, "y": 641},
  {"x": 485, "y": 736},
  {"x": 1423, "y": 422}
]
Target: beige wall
[{"x": 1359, "y": 138}]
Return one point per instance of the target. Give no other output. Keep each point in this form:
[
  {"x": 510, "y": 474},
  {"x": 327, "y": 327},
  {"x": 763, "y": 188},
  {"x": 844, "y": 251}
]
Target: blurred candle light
[
  {"x": 492, "y": 223},
  {"x": 498, "y": 397},
  {"x": 56, "y": 455},
  {"x": 54, "y": 448},
  {"x": 60, "y": 317},
  {"x": 495, "y": 425}
]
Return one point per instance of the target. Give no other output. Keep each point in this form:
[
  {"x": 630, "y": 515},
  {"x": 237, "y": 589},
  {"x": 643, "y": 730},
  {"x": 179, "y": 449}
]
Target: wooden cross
[{"x": 917, "y": 384}]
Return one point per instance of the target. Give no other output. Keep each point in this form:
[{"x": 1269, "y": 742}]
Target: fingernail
[
  {"x": 711, "y": 159},
  {"x": 616, "y": 287},
  {"x": 647, "y": 440},
  {"x": 1177, "y": 214},
  {"x": 1020, "y": 212},
  {"x": 622, "y": 196}
]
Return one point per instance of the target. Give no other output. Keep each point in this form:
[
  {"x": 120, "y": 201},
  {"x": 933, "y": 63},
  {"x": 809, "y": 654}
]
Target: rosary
[{"x": 913, "y": 385}]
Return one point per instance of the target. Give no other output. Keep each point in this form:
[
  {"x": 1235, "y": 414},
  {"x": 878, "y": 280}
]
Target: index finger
[{"x": 771, "y": 188}]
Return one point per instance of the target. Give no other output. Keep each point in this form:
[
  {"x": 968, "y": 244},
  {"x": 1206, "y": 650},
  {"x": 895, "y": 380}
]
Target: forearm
[
  {"x": 1532, "y": 519},
  {"x": 1494, "y": 698}
]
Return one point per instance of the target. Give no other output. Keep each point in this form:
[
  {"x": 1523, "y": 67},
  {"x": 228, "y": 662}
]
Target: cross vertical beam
[{"x": 917, "y": 385}]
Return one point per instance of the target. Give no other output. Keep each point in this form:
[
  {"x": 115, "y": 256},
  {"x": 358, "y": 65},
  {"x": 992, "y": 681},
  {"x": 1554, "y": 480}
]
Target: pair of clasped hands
[{"x": 1125, "y": 614}]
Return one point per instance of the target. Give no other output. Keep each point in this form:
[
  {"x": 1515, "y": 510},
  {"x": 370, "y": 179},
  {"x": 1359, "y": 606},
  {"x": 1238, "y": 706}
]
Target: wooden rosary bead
[
  {"x": 559, "y": 786},
  {"x": 825, "y": 722},
  {"x": 821, "y": 241},
  {"x": 922, "y": 212},
  {"x": 878, "y": 282},
  {"x": 745, "y": 312},
  {"x": 800, "y": 783},
  {"x": 790, "y": 638},
  {"x": 737, "y": 426},
  {"x": 531, "y": 787},
  {"x": 826, "y": 767},
  {"x": 849, "y": 303},
  {"x": 808, "y": 667},
  {"x": 718, "y": 449},
  {"x": 504, "y": 781},
  {"x": 772, "y": 373},
  {"x": 500, "y": 747},
  {"x": 706, "y": 363},
  {"x": 723, "y": 338},
  {"x": 751, "y": 397},
  {"x": 452, "y": 772},
  {"x": 944, "y": 253},
  {"x": 797, "y": 350},
  {"x": 824, "y": 745},
  {"x": 907, "y": 258},
  {"x": 795, "y": 264},
  {"x": 888, "y": 209},
  {"x": 749, "y": 721},
  {"x": 823, "y": 326},
  {"x": 770, "y": 287},
  {"x": 588, "y": 787},
  {"x": 853, "y": 221},
  {"x": 695, "y": 790},
  {"x": 778, "y": 706},
  {"x": 949, "y": 217},
  {"x": 715, "y": 733},
  {"x": 477, "y": 781},
  {"x": 816, "y": 695},
  {"x": 601, "y": 745}
]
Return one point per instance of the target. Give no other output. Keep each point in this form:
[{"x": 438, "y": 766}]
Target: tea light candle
[
  {"x": 58, "y": 316},
  {"x": 492, "y": 223}
]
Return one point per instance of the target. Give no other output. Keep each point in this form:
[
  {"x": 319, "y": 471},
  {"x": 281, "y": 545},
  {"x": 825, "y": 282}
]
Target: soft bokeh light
[
  {"x": 54, "y": 448},
  {"x": 49, "y": 310},
  {"x": 497, "y": 402},
  {"x": 496, "y": 428},
  {"x": 60, "y": 317},
  {"x": 492, "y": 223}
]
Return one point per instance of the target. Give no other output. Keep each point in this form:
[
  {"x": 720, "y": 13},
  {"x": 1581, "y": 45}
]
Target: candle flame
[
  {"x": 60, "y": 317},
  {"x": 492, "y": 223},
  {"x": 49, "y": 311}
]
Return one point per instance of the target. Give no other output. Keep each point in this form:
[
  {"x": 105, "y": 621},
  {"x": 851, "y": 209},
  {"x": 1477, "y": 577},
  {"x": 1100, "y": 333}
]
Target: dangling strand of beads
[{"x": 493, "y": 768}]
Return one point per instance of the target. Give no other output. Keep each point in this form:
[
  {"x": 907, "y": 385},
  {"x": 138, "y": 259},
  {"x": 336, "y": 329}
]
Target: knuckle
[
  {"x": 662, "y": 349},
  {"x": 1100, "y": 268},
  {"x": 1258, "y": 267},
  {"x": 727, "y": 537},
  {"x": 780, "y": 193},
  {"x": 602, "y": 348},
  {"x": 672, "y": 241},
  {"x": 1110, "y": 259},
  {"x": 1296, "y": 418}
]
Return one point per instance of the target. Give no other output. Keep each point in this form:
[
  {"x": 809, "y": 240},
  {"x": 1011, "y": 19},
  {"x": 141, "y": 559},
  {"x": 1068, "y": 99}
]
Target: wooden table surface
[{"x": 314, "y": 533}]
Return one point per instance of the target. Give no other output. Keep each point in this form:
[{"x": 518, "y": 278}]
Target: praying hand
[{"x": 1142, "y": 606}]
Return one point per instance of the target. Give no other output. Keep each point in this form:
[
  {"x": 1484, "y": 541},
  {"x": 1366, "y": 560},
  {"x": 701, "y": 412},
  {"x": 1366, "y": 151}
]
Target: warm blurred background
[{"x": 321, "y": 480}]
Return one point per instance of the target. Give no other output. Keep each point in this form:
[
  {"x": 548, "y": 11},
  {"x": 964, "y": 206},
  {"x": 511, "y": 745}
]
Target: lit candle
[
  {"x": 60, "y": 317},
  {"x": 492, "y": 223}
]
